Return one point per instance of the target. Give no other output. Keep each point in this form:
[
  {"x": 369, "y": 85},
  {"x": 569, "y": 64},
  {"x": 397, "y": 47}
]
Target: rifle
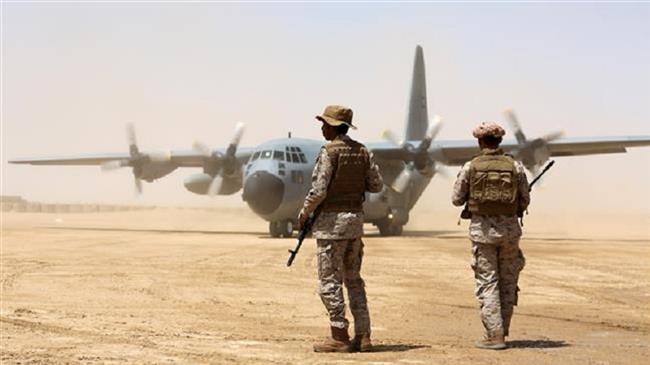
[
  {"x": 548, "y": 166},
  {"x": 466, "y": 214},
  {"x": 304, "y": 231}
]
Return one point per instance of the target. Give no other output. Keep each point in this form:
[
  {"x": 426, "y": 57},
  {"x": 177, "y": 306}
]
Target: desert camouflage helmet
[
  {"x": 490, "y": 129},
  {"x": 335, "y": 115}
]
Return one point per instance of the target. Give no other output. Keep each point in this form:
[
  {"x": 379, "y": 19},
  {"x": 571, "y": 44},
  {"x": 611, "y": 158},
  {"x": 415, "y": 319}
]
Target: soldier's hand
[{"x": 302, "y": 218}]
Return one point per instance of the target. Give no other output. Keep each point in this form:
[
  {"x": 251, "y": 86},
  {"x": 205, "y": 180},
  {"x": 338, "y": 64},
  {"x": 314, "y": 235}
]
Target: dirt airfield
[{"x": 192, "y": 286}]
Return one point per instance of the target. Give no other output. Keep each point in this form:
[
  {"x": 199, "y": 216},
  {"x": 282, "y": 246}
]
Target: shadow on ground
[
  {"x": 536, "y": 344},
  {"x": 397, "y": 348},
  {"x": 420, "y": 234},
  {"x": 150, "y": 230}
]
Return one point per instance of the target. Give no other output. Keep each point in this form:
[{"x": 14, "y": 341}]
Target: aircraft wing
[
  {"x": 459, "y": 152},
  {"x": 88, "y": 160},
  {"x": 592, "y": 146},
  {"x": 188, "y": 158}
]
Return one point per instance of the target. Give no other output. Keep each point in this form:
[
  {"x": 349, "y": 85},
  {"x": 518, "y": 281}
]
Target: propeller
[
  {"x": 202, "y": 147},
  {"x": 391, "y": 137},
  {"x": 221, "y": 165},
  {"x": 417, "y": 158},
  {"x": 532, "y": 153},
  {"x": 215, "y": 185},
  {"x": 137, "y": 160}
]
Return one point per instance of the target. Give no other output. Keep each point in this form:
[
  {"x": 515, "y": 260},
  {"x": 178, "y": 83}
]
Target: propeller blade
[
  {"x": 239, "y": 132},
  {"x": 130, "y": 136},
  {"x": 432, "y": 132},
  {"x": 553, "y": 136},
  {"x": 442, "y": 171},
  {"x": 434, "y": 127},
  {"x": 390, "y": 136},
  {"x": 514, "y": 124},
  {"x": 138, "y": 185},
  {"x": 402, "y": 180},
  {"x": 113, "y": 165},
  {"x": 215, "y": 185},
  {"x": 202, "y": 148},
  {"x": 234, "y": 142}
]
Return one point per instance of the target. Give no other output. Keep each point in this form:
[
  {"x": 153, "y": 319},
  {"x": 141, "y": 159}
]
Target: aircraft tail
[{"x": 417, "y": 120}]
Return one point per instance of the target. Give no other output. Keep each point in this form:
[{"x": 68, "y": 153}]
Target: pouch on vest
[{"x": 493, "y": 185}]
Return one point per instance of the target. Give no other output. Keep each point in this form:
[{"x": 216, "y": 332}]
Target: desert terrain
[{"x": 190, "y": 286}]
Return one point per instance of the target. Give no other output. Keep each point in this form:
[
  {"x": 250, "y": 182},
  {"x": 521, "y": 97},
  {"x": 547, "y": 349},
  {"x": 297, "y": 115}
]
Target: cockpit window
[
  {"x": 266, "y": 155},
  {"x": 256, "y": 155},
  {"x": 278, "y": 155},
  {"x": 294, "y": 154}
]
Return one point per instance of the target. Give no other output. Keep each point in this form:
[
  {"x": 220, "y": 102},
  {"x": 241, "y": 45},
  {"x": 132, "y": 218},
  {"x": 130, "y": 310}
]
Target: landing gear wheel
[
  {"x": 274, "y": 229},
  {"x": 390, "y": 229},
  {"x": 286, "y": 228},
  {"x": 397, "y": 229}
]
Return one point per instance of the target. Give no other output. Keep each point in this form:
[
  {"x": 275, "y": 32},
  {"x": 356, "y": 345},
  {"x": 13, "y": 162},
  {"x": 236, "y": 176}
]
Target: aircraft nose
[{"x": 263, "y": 192}]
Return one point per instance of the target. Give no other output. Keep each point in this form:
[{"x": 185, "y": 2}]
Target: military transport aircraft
[{"x": 276, "y": 175}]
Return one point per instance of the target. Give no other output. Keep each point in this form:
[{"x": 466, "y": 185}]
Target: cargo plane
[{"x": 275, "y": 176}]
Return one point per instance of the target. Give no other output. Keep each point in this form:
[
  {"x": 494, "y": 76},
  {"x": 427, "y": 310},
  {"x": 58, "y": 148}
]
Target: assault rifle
[
  {"x": 466, "y": 214},
  {"x": 548, "y": 166},
  {"x": 304, "y": 231}
]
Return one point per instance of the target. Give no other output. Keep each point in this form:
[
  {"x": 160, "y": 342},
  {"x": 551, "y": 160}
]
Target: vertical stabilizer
[{"x": 417, "y": 118}]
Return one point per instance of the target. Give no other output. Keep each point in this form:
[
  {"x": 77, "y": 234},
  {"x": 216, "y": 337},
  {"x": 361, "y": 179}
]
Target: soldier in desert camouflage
[
  {"x": 495, "y": 188},
  {"x": 345, "y": 170}
]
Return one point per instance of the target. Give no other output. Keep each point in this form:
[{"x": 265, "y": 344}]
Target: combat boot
[
  {"x": 361, "y": 343},
  {"x": 340, "y": 342},
  {"x": 492, "y": 341}
]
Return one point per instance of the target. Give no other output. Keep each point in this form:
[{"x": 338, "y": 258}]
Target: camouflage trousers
[
  {"x": 339, "y": 262},
  {"x": 496, "y": 269}
]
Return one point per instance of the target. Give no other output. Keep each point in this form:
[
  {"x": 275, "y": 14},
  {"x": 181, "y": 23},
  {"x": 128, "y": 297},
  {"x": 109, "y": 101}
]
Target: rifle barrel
[{"x": 548, "y": 166}]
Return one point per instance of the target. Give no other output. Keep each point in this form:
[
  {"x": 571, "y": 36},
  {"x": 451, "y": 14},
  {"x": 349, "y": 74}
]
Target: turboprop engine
[
  {"x": 533, "y": 153},
  {"x": 145, "y": 166},
  {"x": 222, "y": 173},
  {"x": 201, "y": 183},
  {"x": 419, "y": 161}
]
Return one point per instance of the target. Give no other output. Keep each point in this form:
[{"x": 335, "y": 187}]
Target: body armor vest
[
  {"x": 350, "y": 160},
  {"x": 493, "y": 184}
]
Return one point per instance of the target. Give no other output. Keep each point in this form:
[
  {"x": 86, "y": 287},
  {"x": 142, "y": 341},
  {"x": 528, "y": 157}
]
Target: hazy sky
[{"x": 74, "y": 74}]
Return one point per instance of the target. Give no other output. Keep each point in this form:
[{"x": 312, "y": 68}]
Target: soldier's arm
[
  {"x": 320, "y": 180},
  {"x": 524, "y": 194},
  {"x": 374, "y": 181},
  {"x": 461, "y": 186}
]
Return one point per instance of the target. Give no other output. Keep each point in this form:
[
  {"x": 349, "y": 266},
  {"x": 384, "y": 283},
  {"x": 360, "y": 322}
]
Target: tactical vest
[
  {"x": 350, "y": 160},
  {"x": 493, "y": 184}
]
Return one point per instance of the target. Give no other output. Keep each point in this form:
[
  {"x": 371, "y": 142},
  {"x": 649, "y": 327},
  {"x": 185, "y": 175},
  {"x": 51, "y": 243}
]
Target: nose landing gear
[
  {"x": 387, "y": 228},
  {"x": 392, "y": 224},
  {"x": 283, "y": 228}
]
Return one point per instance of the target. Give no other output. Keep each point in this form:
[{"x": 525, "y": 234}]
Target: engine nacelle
[
  {"x": 153, "y": 170},
  {"x": 200, "y": 184}
]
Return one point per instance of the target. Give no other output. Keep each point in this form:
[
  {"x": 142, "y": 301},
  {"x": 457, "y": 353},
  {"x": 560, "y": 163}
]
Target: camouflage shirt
[
  {"x": 491, "y": 229},
  {"x": 336, "y": 225}
]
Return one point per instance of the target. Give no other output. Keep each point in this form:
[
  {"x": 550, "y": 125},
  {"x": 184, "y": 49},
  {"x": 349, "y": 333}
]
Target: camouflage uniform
[
  {"x": 340, "y": 248},
  {"x": 497, "y": 259}
]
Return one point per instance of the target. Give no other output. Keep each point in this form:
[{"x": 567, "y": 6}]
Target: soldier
[
  {"x": 344, "y": 171},
  {"x": 495, "y": 189}
]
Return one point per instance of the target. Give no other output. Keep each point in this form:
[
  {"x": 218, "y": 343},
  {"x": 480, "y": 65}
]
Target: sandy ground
[{"x": 188, "y": 286}]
